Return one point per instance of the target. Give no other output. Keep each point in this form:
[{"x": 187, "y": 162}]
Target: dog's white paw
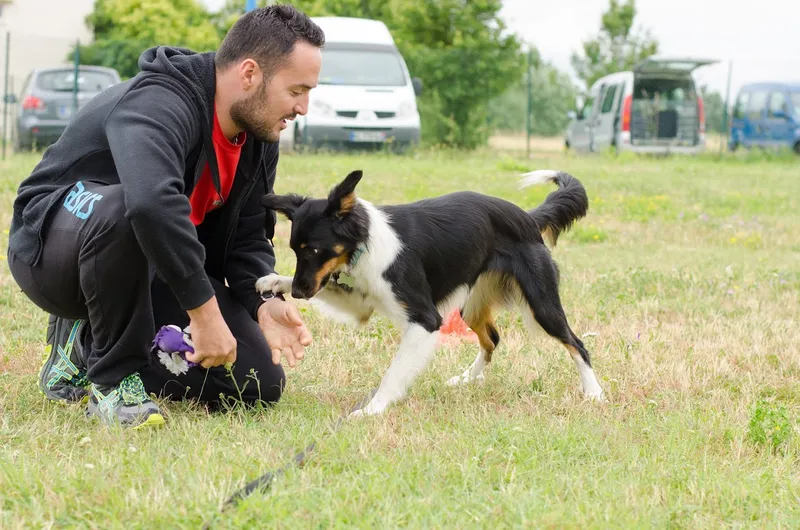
[
  {"x": 274, "y": 284},
  {"x": 596, "y": 395},
  {"x": 373, "y": 408},
  {"x": 466, "y": 378}
]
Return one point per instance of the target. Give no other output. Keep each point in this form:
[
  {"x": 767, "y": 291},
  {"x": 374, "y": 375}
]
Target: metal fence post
[
  {"x": 75, "y": 78},
  {"x": 5, "y": 94},
  {"x": 528, "y": 115}
]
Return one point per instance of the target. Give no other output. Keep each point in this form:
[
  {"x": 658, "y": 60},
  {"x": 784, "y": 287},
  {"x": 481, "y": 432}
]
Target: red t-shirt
[{"x": 204, "y": 197}]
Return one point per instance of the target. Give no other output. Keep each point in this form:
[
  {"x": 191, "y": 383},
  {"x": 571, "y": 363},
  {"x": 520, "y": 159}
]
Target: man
[{"x": 146, "y": 213}]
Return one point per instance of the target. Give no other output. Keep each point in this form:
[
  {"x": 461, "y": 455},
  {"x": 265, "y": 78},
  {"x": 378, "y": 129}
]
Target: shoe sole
[
  {"x": 48, "y": 360},
  {"x": 153, "y": 420}
]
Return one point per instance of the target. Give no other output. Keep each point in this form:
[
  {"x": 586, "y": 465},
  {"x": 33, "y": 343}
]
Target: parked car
[
  {"x": 46, "y": 105},
  {"x": 766, "y": 115},
  {"x": 365, "y": 95},
  {"x": 653, "y": 108}
]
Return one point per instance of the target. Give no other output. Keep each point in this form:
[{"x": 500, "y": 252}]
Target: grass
[{"x": 684, "y": 280}]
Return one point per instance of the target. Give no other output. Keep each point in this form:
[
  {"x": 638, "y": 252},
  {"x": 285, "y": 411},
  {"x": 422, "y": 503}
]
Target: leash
[{"x": 263, "y": 482}]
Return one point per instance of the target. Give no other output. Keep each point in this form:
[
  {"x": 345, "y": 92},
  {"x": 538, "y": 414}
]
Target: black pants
[{"x": 92, "y": 267}]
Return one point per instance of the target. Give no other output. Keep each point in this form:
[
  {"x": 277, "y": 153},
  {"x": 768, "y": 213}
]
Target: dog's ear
[
  {"x": 285, "y": 204},
  {"x": 342, "y": 198}
]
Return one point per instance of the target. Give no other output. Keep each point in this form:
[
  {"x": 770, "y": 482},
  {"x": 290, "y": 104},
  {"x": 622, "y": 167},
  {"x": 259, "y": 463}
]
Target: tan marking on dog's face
[
  {"x": 303, "y": 245},
  {"x": 338, "y": 248},
  {"x": 327, "y": 268}
]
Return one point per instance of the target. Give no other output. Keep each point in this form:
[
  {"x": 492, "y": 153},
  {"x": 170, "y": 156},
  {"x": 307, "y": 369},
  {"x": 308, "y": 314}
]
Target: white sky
[{"x": 761, "y": 38}]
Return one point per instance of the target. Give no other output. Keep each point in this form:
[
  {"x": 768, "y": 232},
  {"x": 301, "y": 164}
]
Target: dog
[{"x": 416, "y": 262}]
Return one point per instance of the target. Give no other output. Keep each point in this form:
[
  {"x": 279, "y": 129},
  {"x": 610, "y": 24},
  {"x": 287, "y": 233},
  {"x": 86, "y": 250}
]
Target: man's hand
[
  {"x": 284, "y": 330},
  {"x": 214, "y": 344}
]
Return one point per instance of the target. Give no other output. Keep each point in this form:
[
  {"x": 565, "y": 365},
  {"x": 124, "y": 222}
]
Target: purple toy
[{"x": 171, "y": 344}]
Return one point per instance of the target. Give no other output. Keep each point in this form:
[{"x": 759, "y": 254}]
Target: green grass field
[{"x": 683, "y": 279}]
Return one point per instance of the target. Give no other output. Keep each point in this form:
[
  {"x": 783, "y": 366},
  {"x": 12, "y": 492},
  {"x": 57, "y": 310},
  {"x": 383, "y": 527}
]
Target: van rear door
[{"x": 666, "y": 109}]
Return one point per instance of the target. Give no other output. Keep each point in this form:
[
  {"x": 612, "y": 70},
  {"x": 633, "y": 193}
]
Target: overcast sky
[{"x": 761, "y": 38}]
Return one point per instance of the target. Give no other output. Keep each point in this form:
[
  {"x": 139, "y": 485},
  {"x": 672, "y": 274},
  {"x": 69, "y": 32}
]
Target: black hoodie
[{"x": 152, "y": 134}]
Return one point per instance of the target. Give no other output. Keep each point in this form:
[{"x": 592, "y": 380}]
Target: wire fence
[{"x": 22, "y": 53}]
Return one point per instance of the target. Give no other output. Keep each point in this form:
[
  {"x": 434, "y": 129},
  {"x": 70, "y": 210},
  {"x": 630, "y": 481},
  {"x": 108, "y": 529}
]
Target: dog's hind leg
[
  {"x": 488, "y": 337},
  {"x": 540, "y": 292},
  {"x": 420, "y": 339}
]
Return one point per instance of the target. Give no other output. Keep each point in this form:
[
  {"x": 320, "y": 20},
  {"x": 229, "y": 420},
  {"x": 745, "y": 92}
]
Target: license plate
[
  {"x": 64, "y": 111},
  {"x": 367, "y": 136}
]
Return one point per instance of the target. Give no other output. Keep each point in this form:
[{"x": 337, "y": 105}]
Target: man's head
[{"x": 270, "y": 60}]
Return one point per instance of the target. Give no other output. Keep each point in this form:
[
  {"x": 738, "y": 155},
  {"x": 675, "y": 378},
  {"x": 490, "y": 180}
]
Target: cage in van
[
  {"x": 365, "y": 95},
  {"x": 653, "y": 108}
]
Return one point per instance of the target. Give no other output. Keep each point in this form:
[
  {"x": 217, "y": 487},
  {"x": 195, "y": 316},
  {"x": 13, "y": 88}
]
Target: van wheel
[{"x": 797, "y": 148}]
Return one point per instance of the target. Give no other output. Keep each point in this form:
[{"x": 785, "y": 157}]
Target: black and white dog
[{"x": 416, "y": 262}]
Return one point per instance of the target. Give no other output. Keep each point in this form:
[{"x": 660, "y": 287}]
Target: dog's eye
[{"x": 313, "y": 251}]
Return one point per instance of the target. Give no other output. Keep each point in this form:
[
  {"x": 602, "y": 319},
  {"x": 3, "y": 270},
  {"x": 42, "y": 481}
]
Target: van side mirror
[
  {"x": 10, "y": 99},
  {"x": 417, "y": 82}
]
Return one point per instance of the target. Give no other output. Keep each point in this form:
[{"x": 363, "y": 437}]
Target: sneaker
[
  {"x": 62, "y": 377},
  {"x": 126, "y": 404}
]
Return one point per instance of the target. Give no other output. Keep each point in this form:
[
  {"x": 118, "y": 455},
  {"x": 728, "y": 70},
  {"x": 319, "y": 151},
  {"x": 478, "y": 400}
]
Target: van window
[
  {"x": 741, "y": 105},
  {"x": 608, "y": 101},
  {"x": 777, "y": 103},
  {"x": 361, "y": 67},
  {"x": 796, "y": 103},
  {"x": 755, "y": 107}
]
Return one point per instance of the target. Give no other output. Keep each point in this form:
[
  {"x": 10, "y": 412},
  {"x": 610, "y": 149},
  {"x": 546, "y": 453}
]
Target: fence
[{"x": 22, "y": 52}]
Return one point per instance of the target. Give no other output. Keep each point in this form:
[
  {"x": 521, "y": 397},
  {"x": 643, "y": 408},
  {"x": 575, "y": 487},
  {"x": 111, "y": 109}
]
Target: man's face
[{"x": 266, "y": 111}]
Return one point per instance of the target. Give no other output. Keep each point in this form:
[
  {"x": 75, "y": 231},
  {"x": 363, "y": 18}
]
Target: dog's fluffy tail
[{"x": 562, "y": 207}]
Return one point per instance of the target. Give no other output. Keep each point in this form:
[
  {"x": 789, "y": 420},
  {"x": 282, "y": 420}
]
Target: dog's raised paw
[{"x": 274, "y": 284}]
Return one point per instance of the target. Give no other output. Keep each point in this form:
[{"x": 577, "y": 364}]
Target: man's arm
[
  {"x": 150, "y": 132},
  {"x": 251, "y": 255}
]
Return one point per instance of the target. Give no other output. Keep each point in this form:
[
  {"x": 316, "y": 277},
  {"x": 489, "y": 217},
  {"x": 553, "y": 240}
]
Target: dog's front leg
[
  {"x": 416, "y": 351},
  {"x": 274, "y": 284}
]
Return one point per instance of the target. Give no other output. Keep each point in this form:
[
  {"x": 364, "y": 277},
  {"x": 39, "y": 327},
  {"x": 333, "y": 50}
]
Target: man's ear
[
  {"x": 285, "y": 204},
  {"x": 342, "y": 198}
]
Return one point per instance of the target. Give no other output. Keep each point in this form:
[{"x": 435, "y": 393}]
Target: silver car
[{"x": 48, "y": 101}]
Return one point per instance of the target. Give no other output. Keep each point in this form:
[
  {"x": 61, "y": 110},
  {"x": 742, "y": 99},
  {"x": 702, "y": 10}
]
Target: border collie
[{"x": 416, "y": 262}]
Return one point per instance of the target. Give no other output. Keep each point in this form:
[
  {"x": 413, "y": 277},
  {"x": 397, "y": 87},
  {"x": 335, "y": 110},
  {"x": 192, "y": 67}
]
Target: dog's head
[{"x": 325, "y": 232}]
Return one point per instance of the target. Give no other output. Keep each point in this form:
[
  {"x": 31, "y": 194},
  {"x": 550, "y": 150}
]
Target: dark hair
[{"x": 268, "y": 35}]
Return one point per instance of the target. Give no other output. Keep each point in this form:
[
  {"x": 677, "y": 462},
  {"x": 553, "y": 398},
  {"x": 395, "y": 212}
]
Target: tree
[
  {"x": 616, "y": 47},
  {"x": 714, "y": 107},
  {"x": 123, "y": 29},
  {"x": 553, "y": 95},
  {"x": 460, "y": 50}
]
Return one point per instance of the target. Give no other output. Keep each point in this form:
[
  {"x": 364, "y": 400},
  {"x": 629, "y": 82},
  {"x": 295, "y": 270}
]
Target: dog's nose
[{"x": 298, "y": 292}]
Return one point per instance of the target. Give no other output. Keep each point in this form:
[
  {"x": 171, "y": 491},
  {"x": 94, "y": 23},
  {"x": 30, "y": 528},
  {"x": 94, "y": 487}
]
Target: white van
[
  {"x": 653, "y": 108},
  {"x": 365, "y": 94}
]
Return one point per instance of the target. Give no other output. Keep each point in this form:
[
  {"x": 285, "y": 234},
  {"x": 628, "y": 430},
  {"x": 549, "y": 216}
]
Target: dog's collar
[{"x": 357, "y": 253}]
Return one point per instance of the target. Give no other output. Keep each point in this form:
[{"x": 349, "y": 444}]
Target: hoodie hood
[
  {"x": 197, "y": 76},
  {"x": 196, "y": 71}
]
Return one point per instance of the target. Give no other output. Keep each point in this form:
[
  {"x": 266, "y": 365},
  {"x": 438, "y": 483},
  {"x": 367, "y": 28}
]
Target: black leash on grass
[{"x": 263, "y": 482}]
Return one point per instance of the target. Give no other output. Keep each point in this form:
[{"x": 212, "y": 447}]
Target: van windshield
[{"x": 361, "y": 67}]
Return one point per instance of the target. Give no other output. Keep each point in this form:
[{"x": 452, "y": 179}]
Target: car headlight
[
  {"x": 321, "y": 108},
  {"x": 406, "y": 110}
]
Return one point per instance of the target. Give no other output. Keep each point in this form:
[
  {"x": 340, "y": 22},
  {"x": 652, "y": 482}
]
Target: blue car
[{"x": 766, "y": 115}]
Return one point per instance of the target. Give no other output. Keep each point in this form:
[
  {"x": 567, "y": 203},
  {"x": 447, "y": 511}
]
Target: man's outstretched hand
[{"x": 284, "y": 330}]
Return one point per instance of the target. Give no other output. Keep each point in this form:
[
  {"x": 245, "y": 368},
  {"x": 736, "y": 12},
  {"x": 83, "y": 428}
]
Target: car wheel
[{"x": 797, "y": 148}]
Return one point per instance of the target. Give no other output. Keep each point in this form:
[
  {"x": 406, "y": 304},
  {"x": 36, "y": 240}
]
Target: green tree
[
  {"x": 714, "y": 107},
  {"x": 123, "y": 29},
  {"x": 459, "y": 49},
  {"x": 553, "y": 95},
  {"x": 617, "y": 47}
]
